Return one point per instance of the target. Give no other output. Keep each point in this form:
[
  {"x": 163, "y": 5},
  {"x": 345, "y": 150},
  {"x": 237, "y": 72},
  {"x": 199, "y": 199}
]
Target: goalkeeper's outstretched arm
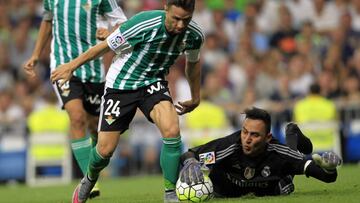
[
  {"x": 313, "y": 170},
  {"x": 323, "y": 167}
]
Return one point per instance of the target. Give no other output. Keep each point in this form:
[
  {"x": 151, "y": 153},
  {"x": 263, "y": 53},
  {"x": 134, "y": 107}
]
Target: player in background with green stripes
[
  {"x": 72, "y": 25},
  {"x": 147, "y": 45}
]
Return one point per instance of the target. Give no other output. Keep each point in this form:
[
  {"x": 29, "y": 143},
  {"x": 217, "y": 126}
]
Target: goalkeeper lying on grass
[{"x": 251, "y": 161}]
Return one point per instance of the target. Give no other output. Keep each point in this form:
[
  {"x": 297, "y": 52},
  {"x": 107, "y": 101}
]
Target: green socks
[
  {"x": 96, "y": 164},
  {"x": 81, "y": 149},
  {"x": 169, "y": 161},
  {"x": 94, "y": 139}
]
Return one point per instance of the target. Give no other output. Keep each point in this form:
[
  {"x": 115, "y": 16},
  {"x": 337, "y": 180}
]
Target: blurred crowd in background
[{"x": 280, "y": 55}]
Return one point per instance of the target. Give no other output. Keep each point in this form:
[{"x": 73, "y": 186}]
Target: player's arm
[
  {"x": 193, "y": 75},
  {"x": 64, "y": 72},
  {"x": 323, "y": 167},
  {"x": 113, "y": 17},
  {"x": 43, "y": 37}
]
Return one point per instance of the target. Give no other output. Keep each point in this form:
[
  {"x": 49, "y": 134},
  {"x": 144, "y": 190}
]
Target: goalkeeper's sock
[
  {"x": 81, "y": 149},
  {"x": 94, "y": 139},
  {"x": 96, "y": 164},
  {"x": 169, "y": 161}
]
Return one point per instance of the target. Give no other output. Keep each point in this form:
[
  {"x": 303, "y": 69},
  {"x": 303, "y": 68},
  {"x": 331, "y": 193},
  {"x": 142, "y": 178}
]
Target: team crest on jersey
[
  {"x": 109, "y": 119},
  {"x": 207, "y": 158},
  {"x": 65, "y": 88},
  {"x": 266, "y": 171},
  {"x": 87, "y": 6},
  {"x": 249, "y": 173}
]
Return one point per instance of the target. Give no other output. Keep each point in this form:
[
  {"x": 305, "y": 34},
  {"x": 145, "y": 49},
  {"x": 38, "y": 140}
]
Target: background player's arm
[
  {"x": 193, "y": 75},
  {"x": 64, "y": 72},
  {"x": 43, "y": 37}
]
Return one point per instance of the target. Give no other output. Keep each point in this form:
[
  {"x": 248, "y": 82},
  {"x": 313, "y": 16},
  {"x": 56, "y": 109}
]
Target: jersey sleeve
[
  {"x": 130, "y": 33},
  {"x": 215, "y": 150},
  {"x": 47, "y": 14},
  {"x": 115, "y": 17},
  {"x": 46, "y": 4},
  {"x": 192, "y": 53},
  {"x": 313, "y": 170},
  {"x": 107, "y": 6}
]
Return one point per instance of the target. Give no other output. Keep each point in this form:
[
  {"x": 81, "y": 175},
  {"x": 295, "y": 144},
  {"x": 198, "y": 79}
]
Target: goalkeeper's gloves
[
  {"x": 286, "y": 185},
  {"x": 328, "y": 161},
  {"x": 192, "y": 172}
]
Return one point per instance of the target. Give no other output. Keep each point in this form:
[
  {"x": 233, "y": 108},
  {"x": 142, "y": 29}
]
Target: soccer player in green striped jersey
[
  {"x": 146, "y": 45},
  {"x": 72, "y": 24}
]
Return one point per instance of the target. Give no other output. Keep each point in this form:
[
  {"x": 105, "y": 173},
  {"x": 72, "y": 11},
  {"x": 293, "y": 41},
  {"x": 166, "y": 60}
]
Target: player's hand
[
  {"x": 191, "y": 172},
  {"x": 328, "y": 161},
  {"x": 62, "y": 74},
  {"x": 102, "y": 33},
  {"x": 29, "y": 66},
  {"x": 286, "y": 185},
  {"x": 186, "y": 106}
]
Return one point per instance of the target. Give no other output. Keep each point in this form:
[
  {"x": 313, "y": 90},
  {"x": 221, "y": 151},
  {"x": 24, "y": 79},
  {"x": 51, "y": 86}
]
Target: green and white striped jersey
[
  {"x": 74, "y": 32},
  {"x": 146, "y": 51}
]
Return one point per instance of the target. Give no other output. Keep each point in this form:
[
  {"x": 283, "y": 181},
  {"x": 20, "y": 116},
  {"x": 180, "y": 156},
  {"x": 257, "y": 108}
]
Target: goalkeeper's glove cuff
[{"x": 190, "y": 160}]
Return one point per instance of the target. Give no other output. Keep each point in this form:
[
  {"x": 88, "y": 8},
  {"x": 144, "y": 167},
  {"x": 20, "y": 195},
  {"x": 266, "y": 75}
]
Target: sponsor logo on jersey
[
  {"x": 246, "y": 183},
  {"x": 93, "y": 99},
  {"x": 109, "y": 119},
  {"x": 116, "y": 40},
  {"x": 207, "y": 158},
  {"x": 249, "y": 173},
  {"x": 155, "y": 88},
  {"x": 266, "y": 171}
]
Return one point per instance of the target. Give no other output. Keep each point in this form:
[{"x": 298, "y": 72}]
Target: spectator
[
  {"x": 314, "y": 107},
  {"x": 284, "y": 38},
  {"x": 324, "y": 15},
  {"x": 300, "y": 75}
]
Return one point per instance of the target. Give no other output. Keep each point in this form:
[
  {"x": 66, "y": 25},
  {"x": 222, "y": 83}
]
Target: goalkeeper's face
[{"x": 254, "y": 137}]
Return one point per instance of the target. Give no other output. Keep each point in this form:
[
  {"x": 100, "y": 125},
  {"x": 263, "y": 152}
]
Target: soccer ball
[{"x": 195, "y": 192}]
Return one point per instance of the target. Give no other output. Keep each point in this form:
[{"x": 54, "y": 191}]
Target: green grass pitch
[{"x": 148, "y": 189}]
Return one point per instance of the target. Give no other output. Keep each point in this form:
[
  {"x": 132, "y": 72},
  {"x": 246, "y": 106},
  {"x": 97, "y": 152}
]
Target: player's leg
[
  {"x": 117, "y": 110},
  {"x": 92, "y": 99},
  {"x": 92, "y": 122},
  {"x": 166, "y": 119},
  {"x": 296, "y": 140},
  {"x": 158, "y": 108},
  {"x": 99, "y": 159},
  {"x": 80, "y": 143},
  {"x": 70, "y": 95}
]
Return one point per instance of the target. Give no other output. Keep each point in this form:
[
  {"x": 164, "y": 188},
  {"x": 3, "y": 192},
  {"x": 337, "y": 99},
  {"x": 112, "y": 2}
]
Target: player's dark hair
[
  {"x": 259, "y": 114},
  {"x": 315, "y": 88},
  {"x": 188, "y": 5}
]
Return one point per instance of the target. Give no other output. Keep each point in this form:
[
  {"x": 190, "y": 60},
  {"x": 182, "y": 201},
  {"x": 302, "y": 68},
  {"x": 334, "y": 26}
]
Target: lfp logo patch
[
  {"x": 207, "y": 158},
  {"x": 116, "y": 39}
]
